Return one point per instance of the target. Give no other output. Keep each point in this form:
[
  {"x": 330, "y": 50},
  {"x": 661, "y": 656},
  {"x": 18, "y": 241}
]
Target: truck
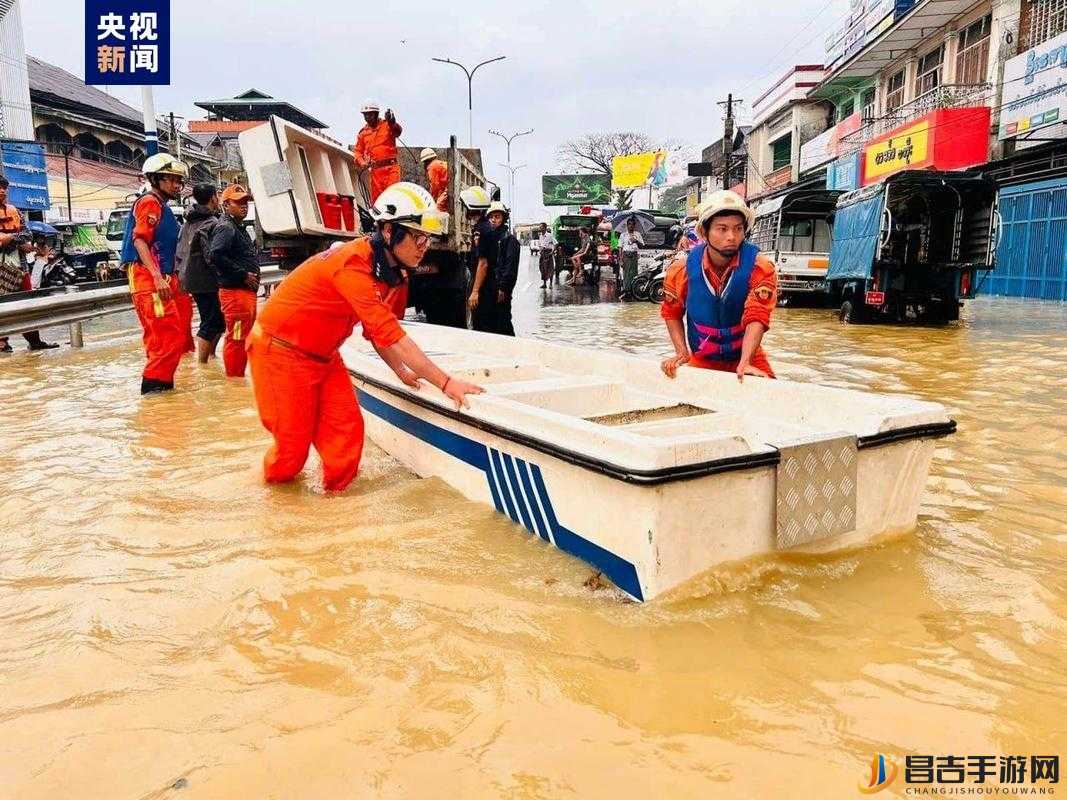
[
  {"x": 912, "y": 246},
  {"x": 794, "y": 231},
  {"x": 309, "y": 194}
]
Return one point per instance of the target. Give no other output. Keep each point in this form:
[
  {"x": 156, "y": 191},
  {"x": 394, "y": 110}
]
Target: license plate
[{"x": 875, "y": 298}]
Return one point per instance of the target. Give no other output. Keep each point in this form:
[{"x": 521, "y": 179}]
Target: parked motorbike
[{"x": 48, "y": 272}]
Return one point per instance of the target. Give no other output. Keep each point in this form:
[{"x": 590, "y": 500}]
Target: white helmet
[
  {"x": 475, "y": 198},
  {"x": 370, "y": 105},
  {"x": 495, "y": 206},
  {"x": 427, "y": 154},
  {"x": 721, "y": 202},
  {"x": 410, "y": 205},
  {"x": 164, "y": 164}
]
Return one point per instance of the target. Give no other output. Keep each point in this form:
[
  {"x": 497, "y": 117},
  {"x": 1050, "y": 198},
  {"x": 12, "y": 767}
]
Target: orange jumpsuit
[
  {"x": 376, "y": 148},
  {"x": 239, "y": 311},
  {"x": 760, "y": 302},
  {"x": 437, "y": 176},
  {"x": 303, "y": 391},
  {"x": 167, "y": 325}
]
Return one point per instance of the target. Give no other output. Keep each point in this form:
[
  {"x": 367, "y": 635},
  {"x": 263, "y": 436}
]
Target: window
[
  {"x": 846, "y": 109},
  {"x": 972, "y": 57},
  {"x": 928, "y": 76},
  {"x": 867, "y": 103},
  {"x": 894, "y": 91},
  {"x": 782, "y": 152},
  {"x": 1044, "y": 19}
]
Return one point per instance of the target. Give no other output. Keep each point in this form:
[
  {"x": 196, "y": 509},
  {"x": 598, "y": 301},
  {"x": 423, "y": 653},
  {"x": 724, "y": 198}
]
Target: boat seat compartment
[{"x": 610, "y": 401}]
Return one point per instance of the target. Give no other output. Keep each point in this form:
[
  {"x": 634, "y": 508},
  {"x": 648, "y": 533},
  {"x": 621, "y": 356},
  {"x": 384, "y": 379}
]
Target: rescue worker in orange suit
[
  {"x": 148, "y": 249},
  {"x": 303, "y": 391},
  {"x": 375, "y": 148},
  {"x": 436, "y": 177},
  {"x": 718, "y": 297},
  {"x": 232, "y": 255}
]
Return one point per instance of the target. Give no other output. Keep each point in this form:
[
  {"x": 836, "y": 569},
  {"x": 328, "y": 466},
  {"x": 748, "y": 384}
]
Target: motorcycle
[{"x": 642, "y": 283}]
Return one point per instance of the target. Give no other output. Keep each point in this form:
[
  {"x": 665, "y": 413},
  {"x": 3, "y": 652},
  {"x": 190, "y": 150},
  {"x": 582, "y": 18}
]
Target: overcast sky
[{"x": 572, "y": 67}]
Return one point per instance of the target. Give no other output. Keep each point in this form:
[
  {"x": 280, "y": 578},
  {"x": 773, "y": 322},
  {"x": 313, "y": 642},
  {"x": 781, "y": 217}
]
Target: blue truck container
[{"x": 912, "y": 246}]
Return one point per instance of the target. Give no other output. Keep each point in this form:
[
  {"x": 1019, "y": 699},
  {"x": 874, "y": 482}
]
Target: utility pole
[
  {"x": 728, "y": 138},
  {"x": 66, "y": 168},
  {"x": 508, "y": 140}
]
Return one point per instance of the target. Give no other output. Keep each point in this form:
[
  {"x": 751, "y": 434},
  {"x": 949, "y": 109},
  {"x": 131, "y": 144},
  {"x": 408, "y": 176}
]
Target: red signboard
[
  {"x": 848, "y": 125},
  {"x": 946, "y": 139}
]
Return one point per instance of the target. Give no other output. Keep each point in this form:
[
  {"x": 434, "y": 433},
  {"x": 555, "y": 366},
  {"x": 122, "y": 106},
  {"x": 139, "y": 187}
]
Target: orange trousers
[
  {"x": 381, "y": 178},
  {"x": 239, "y": 309},
  {"x": 164, "y": 338},
  {"x": 184, "y": 301},
  {"x": 303, "y": 402}
]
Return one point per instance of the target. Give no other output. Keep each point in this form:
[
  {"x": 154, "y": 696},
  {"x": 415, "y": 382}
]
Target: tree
[
  {"x": 594, "y": 152},
  {"x": 672, "y": 199}
]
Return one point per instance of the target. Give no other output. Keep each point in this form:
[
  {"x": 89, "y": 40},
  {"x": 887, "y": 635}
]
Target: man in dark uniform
[{"x": 494, "y": 280}]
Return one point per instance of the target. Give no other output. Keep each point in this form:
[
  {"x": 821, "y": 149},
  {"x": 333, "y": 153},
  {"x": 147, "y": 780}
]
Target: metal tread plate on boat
[{"x": 816, "y": 489}]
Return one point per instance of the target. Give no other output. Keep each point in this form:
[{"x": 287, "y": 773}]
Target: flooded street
[{"x": 171, "y": 627}]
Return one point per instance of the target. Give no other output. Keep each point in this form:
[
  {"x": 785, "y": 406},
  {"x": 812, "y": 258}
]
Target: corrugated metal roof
[{"x": 48, "y": 79}]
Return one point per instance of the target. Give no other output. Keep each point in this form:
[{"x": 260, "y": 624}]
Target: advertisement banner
[
  {"x": 639, "y": 169},
  {"x": 946, "y": 139},
  {"x": 127, "y": 42},
  {"x": 909, "y": 146},
  {"x": 569, "y": 190},
  {"x": 816, "y": 152},
  {"x": 24, "y": 165},
  {"x": 844, "y": 174},
  {"x": 1035, "y": 90}
]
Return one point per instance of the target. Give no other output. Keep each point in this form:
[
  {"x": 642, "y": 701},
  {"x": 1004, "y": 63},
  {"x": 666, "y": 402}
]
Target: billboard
[
  {"x": 844, "y": 173},
  {"x": 573, "y": 190},
  {"x": 1035, "y": 90},
  {"x": 639, "y": 169},
  {"x": 24, "y": 165},
  {"x": 947, "y": 139}
]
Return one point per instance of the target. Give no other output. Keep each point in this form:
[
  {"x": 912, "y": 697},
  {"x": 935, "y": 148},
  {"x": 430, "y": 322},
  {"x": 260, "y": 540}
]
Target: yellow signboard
[
  {"x": 639, "y": 169},
  {"x": 909, "y": 148}
]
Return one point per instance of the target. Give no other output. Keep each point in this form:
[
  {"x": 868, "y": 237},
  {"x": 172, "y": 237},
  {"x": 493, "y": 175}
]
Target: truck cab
[
  {"x": 912, "y": 247},
  {"x": 794, "y": 231}
]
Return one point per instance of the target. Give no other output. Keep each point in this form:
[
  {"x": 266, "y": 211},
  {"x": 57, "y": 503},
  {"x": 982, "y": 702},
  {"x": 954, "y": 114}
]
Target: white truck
[{"x": 309, "y": 193}]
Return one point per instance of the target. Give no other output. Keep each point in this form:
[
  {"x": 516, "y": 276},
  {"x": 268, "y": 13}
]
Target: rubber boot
[
  {"x": 151, "y": 386},
  {"x": 34, "y": 338}
]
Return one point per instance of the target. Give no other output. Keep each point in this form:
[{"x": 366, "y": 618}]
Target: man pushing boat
[
  {"x": 303, "y": 390},
  {"x": 724, "y": 290}
]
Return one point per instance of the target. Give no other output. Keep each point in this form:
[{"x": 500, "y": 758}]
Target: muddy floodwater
[{"x": 172, "y": 628}]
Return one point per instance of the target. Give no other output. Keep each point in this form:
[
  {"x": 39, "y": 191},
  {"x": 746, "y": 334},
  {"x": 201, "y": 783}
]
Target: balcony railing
[{"x": 960, "y": 95}]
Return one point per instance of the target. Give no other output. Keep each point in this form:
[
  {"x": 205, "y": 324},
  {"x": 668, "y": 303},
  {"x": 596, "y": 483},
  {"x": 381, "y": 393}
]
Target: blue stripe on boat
[{"x": 620, "y": 571}]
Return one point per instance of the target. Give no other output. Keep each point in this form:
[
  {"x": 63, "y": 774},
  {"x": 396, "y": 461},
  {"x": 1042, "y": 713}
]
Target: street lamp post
[
  {"x": 508, "y": 140},
  {"x": 470, "y": 100},
  {"x": 511, "y": 184}
]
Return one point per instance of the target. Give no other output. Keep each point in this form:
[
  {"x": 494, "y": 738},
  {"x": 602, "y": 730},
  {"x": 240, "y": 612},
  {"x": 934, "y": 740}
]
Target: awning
[{"x": 926, "y": 18}]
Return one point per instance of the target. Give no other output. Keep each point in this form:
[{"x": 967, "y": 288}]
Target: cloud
[{"x": 571, "y": 68}]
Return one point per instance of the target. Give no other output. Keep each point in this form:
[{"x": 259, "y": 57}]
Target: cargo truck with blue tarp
[{"x": 912, "y": 247}]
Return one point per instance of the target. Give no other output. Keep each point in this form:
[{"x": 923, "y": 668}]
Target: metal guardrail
[{"x": 75, "y": 306}]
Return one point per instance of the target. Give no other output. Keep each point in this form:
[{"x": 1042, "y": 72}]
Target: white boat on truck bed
[{"x": 653, "y": 481}]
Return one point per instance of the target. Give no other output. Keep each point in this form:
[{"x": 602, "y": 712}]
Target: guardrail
[{"x": 75, "y": 306}]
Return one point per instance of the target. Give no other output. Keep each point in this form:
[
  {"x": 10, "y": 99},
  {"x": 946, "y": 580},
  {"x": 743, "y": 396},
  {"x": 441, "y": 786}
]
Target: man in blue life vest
[
  {"x": 724, "y": 290},
  {"x": 148, "y": 249}
]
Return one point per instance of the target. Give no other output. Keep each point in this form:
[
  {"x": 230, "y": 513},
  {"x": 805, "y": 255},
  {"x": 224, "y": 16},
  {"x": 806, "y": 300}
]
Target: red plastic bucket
[
  {"x": 330, "y": 208},
  {"x": 348, "y": 211}
]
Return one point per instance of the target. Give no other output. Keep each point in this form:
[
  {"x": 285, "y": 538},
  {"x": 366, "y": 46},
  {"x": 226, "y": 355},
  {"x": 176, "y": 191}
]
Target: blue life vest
[
  {"x": 166, "y": 240},
  {"x": 713, "y": 322}
]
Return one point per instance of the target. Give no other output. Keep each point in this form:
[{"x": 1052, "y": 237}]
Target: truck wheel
[{"x": 850, "y": 313}]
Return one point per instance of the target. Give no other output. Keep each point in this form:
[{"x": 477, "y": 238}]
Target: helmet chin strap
[{"x": 724, "y": 253}]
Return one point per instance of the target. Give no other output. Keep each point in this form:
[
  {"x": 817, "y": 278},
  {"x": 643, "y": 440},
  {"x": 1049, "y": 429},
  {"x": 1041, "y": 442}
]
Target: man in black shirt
[
  {"x": 195, "y": 275},
  {"x": 233, "y": 256},
  {"x": 497, "y": 271}
]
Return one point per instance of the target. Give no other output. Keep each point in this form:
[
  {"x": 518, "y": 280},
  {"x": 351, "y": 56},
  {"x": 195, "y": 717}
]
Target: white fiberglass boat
[{"x": 653, "y": 481}]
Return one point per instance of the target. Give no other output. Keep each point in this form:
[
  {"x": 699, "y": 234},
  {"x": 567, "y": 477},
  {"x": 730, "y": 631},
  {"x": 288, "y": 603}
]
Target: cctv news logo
[{"x": 952, "y": 775}]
